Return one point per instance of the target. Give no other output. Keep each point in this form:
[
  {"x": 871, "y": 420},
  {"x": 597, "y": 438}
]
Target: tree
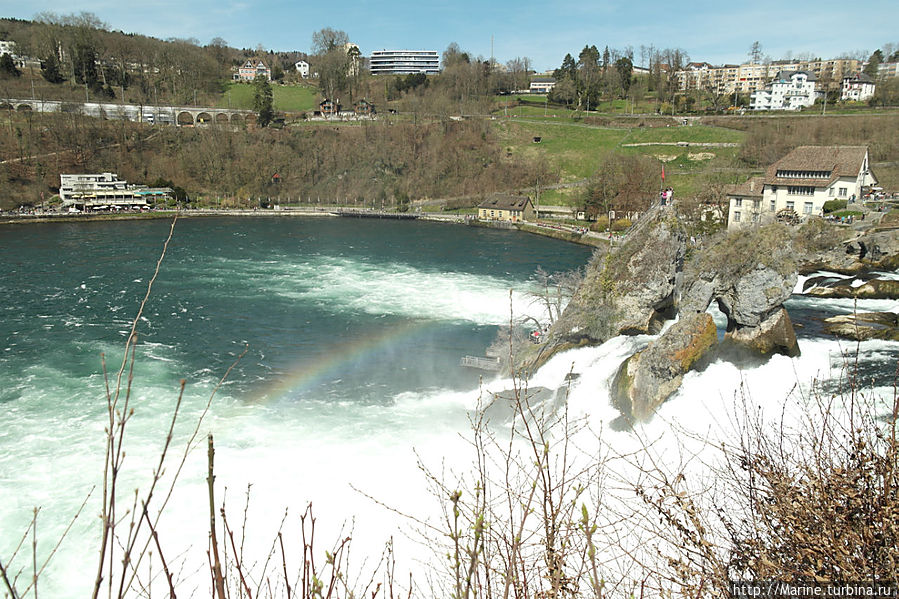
[
  {"x": 588, "y": 76},
  {"x": 327, "y": 39},
  {"x": 50, "y": 69},
  {"x": 454, "y": 55},
  {"x": 568, "y": 68},
  {"x": 755, "y": 53},
  {"x": 873, "y": 62},
  {"x": 625, "y": 68},
  {"x": 8, "y": 67},
  {"x": 333, "y": 61},
  {"x": 262, "y": 100}
]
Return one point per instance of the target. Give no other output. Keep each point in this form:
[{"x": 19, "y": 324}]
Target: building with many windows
[
  {"x": 542, "y": 85},
  {"x": 507, "y": 208},
  {"x": 404, "y": 62},
  {"x": 790, "y": 90},
  {"x": 749, "y": 77},
  {"x": 105, "y": 191},
  {"x": 800, "y": 183}
]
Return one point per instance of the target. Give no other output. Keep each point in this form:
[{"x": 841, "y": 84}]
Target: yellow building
[{"x": 506, "y": 208}]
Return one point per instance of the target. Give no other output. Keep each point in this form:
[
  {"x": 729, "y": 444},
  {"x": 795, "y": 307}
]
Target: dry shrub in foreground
[{"x": 813, "y": 501}]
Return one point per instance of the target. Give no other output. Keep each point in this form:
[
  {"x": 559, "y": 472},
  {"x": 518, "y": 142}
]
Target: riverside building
[{"x": 104, "y": 191}]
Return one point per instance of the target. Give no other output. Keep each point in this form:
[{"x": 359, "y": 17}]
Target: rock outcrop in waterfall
[{"x": 657, "y": 275}]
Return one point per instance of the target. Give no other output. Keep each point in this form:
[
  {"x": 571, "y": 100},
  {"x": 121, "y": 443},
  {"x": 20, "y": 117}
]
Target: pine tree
[
  {"x": 262, "y": 101},
  {"x": 8, "y": 67}
]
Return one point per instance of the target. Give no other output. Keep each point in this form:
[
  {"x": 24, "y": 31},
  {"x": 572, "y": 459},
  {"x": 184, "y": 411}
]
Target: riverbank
[{"x": 559, "y": 232}]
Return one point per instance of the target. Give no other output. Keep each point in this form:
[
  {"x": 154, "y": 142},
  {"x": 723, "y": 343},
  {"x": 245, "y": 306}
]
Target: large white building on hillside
[
  {"x": 800, "y": 183},
  {"x": 404, "y": 62},
  {"x": 790, "y": 90}
]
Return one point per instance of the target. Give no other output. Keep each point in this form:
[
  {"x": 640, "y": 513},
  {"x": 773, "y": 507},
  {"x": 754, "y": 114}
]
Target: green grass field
[
  {"x": 287, "y": 98},
  {"x": 575, "y": 149}
]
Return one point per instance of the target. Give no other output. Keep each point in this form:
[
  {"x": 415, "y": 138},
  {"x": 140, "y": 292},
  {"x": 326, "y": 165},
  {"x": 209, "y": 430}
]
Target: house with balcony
[
  {"x": 857, "y": 88},
  {"x": 800, "y": 183},
  {"x": 250, "y": 69},
  {"x": 328, "y": 107},
  {"x": 508, "y": 208},
  {"x": 363, "y": 108},
  {"x": 789, "y": 90},
  {"x": 105, "y": 191}
]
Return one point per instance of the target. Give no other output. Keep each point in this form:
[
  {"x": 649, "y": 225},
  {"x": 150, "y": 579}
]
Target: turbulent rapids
[{"x": 350, "y": 386}]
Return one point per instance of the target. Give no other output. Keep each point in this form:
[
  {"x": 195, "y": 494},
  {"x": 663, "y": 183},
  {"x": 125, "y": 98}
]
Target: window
[
  {"x": 843, "y": 192},
  {"x": 830, "y": 192},
  {"x": 807, "y": 208},
  {"x": 773, "y": 206},
  {"x": 737, "y": 216},
  {"x": 800, "y": 190},
  {"x": 756, "y": 204},
  {"x": 738, "y": 202},
  {"x": 790, "y": 205}
]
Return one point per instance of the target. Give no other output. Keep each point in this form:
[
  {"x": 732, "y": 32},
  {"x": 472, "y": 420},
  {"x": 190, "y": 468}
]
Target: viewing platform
[{"x": 481, "y": 363}]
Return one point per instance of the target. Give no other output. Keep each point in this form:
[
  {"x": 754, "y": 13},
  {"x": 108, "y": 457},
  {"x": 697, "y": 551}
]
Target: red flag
[{"x": 663, "y": 172}]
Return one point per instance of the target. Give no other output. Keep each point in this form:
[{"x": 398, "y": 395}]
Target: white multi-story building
[
  {"x": 542, "y": 85},
  {"x": 790, "y": 90},
  {"x": 857, "y": 87},
  {"x": 105, "y": 190},
  {"x": 302, "y": 68},
  {"x": 7, "y": 47},
  {"x": 404, "y": 62},
  {"x": 801, "y": 182}
]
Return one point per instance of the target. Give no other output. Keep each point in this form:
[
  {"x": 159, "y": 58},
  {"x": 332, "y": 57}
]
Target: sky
[{"x": 716, "y": 32}]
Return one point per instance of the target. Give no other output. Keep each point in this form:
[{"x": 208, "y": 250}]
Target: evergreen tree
[
  {"x": 262, "y": 100},
  {"x": 50, "y": 69},
  {"x": 873, "y": 62},
  {"x": 8, "y": 67}
]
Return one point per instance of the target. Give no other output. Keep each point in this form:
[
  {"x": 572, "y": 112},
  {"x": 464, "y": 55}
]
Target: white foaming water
[
  {"x": 378, "y": 289},
  {"x": 321, "y": 452}
]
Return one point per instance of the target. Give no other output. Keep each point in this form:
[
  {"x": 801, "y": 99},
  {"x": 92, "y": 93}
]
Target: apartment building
[
  {"x": 404, "y": 62},
  {"x": 749, "y": 77}
]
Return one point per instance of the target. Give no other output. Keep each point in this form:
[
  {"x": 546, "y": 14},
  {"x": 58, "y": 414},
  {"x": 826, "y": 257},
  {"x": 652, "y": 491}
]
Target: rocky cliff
[{"x": 656, "y": 276}]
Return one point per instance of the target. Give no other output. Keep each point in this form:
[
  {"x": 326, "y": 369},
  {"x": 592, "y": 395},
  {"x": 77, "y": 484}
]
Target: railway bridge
[{"x": 181, "y": 116}]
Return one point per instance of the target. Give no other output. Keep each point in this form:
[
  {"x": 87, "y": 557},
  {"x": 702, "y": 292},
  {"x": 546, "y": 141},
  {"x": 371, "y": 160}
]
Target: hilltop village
[{"x": 581, "y": 151}]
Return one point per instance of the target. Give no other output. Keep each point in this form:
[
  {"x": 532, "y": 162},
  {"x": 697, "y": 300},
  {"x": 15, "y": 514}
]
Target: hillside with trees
[{"x": 455, "y": 136}]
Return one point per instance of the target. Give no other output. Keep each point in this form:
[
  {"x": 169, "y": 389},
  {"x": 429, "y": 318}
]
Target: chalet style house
[
  {"x": 251, "y": 68},
  {"x": 800, "y": 182},
  {"x": 857, "y": 88},
  {"x": 507, "y": 208}
]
